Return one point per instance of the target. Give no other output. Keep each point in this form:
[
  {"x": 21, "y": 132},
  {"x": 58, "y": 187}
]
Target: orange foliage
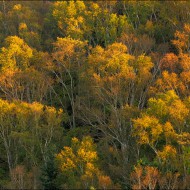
[
  {"x": 169, "y": 62},
  {"x": 144, "y": 177}
]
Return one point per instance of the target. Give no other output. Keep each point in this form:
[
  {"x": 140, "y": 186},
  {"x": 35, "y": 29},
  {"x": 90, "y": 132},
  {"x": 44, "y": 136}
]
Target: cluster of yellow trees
[{"x": 95, "y": 95}]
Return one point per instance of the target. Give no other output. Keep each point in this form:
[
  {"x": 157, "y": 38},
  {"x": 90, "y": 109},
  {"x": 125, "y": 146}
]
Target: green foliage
[{"x": 49, "y": 174}]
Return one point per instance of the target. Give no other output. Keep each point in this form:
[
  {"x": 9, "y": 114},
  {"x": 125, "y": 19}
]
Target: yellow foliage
[
  {"x": 169, "y": 96},
  {"x": 147, "y": 129},
  {"x": 178, "y": 111},
  {"x": 65, "y": 48},
  {"x": 81, "y": 155},
  {"x": 66, "y": 158},
  {"x": 75, "y": 140},
  {"x": 157, "y": 107},
  {"x": 168, "y": 81},
  {"x": 15, "y": 54},
  {"x": 23, "y": 26},
  {"x": 90, "y": 170},
  {"x": 17, "y": 7},
  {"x": 169, "y": 131},
  {"x": 183, "y": 138},
  {"x": 169, "y": 152},
  {"x": 109, "y": 68},
  {"x": 80, "y": 160},
  {"x": 69, "y": 16}
]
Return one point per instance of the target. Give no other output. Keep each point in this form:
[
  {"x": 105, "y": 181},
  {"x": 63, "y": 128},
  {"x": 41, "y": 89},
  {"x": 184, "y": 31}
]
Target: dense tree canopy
[{"x": 95, "y": 94}]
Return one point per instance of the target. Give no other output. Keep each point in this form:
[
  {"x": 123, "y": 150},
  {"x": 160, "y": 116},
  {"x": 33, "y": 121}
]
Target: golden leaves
[
  {"x": 80, "y": 161},
  {"x": 164, "y": 120},
  {"x": 178, "y": 111},
  {"x": 111, "y": 63},
  {"x": 183, "y": 138},
  {"x": 67, "y": 159},
  {"x": 17, "y": 7},
  {"x": 169, "y": 152},
  {"x": 22, "y": 26},
  {"x": 22, "y": 112},
  {"x": 15, "y": 54},
  {"x": 147, "y": 129},
  {"x": 80, "y": 154}
]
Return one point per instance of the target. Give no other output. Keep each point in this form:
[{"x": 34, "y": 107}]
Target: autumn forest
[{"x": 94, "y": 94}]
